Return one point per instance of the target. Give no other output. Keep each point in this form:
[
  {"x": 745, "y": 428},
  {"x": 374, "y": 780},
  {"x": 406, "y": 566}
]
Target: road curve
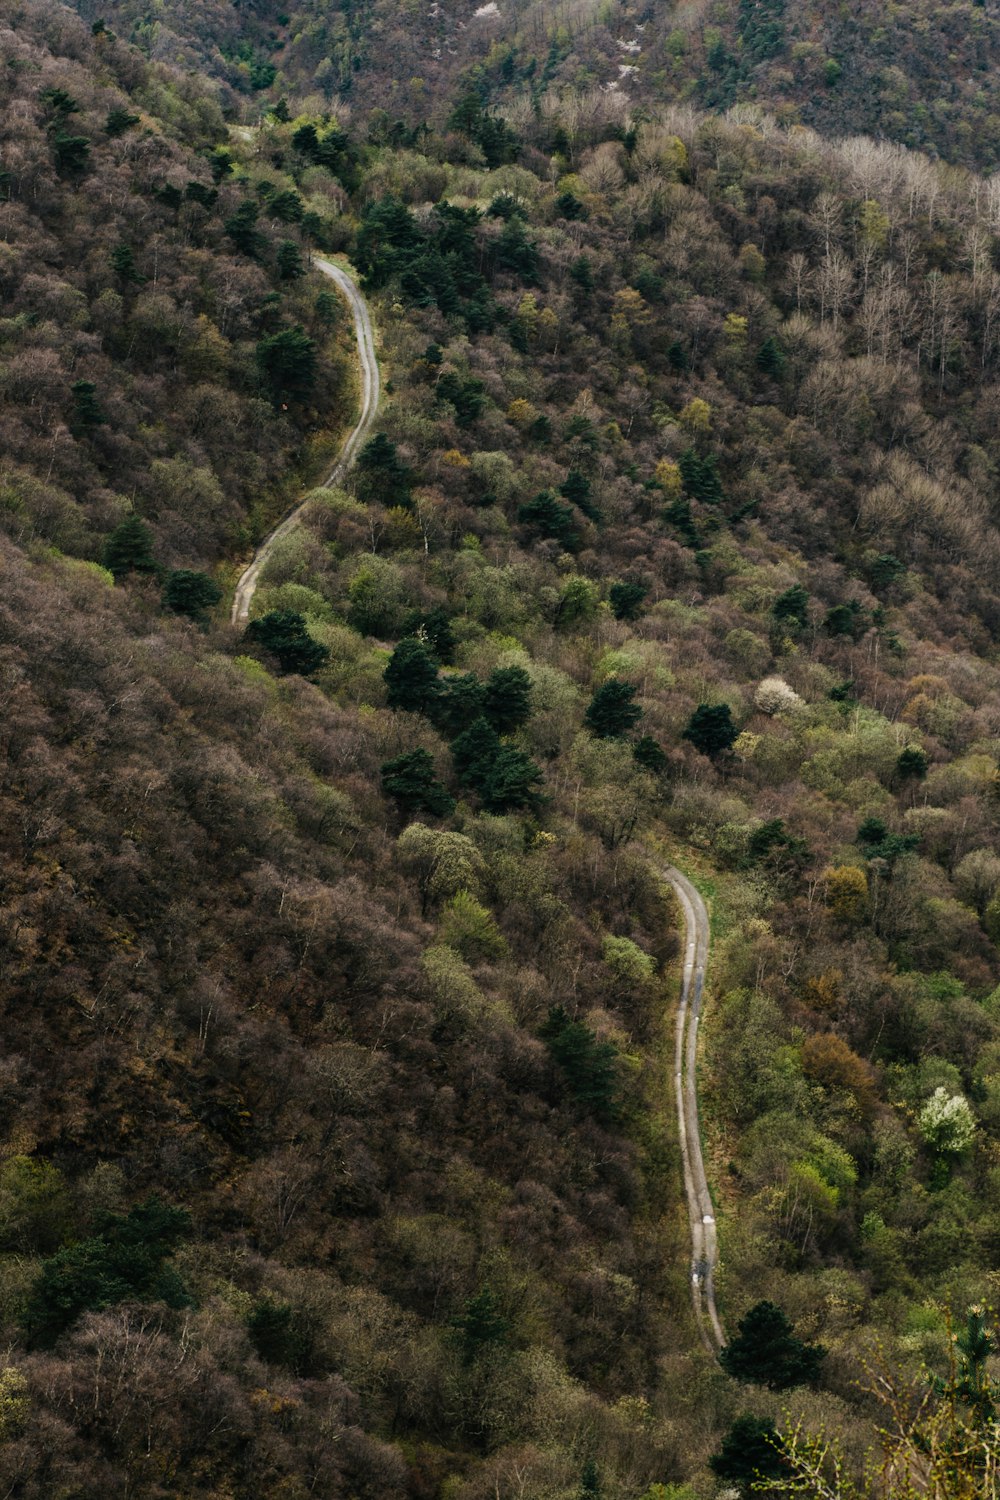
[
  {"x": 370, "y": 392},
  {"x": 701, "y": 1211}
]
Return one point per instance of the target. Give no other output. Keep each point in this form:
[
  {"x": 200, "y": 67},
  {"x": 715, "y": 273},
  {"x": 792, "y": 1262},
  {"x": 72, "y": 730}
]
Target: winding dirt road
[
  {"x": 370, "y": 392},
  {"x": 701, "y": 1211}
]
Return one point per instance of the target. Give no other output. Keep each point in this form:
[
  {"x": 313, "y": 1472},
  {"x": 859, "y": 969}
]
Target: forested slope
[{"x": 336, "y": 1006}]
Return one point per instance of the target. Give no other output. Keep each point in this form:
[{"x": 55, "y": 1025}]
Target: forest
[{"x": 337, "y": 959}]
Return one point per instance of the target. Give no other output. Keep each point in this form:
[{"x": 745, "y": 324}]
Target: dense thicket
[{"x": 334, "y": 950}]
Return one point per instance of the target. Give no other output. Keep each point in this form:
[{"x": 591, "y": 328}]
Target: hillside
[
  {"x": 922, "y": 74},
  {"x": 338, "y": 962}
]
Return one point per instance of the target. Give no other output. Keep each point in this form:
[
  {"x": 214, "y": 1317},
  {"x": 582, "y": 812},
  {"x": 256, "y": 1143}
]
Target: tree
[
  {"x": 479, "y": 1324},
  {"x": 71, "y": 152},
  {"x": 588, "y": 1065},
  {"x": 118, "y": 121},
  {"x": 765, "y": 1351},
  {"x": 434, "y": 627},
  {"x": 283, "y": 633},
  {"x": 912, "y": 764},
  {"x": 750, "y": 1453},
  {"x": 551, "y": 518},
  {"x": 87, "y": 410},
  {"x": 611, "y": 712},
  {"x": 510, "y": 782},
  {"x": 649, "y": 755},
  {"x": 710, "y": 729},
  {"x": 289, "y": 261},
  {"x": 122, "y": 262},
  {"x": 792, "y": 607},
  {"x": 129, "y": 549},
  {"x": 123, "y": 1260},
  {"x": 241, "y": 228},
  {"x": 507, "y": 699},
  {"x": 460, "y": 704},
  {"x": 947, "y": 1123},
  {"x": 473, "y": 753},
  {"x": 410, "y": 779},
  {"x": 411, "y": 678},
  {"x": 380, "y": 474},
  {"x": 701, "y": 476},
  {"x": 188, "y": 593},
  {"x": 287, "y": 361},
  {"x": 771, "y": 359},
  {"x": 626, "y": 599}
]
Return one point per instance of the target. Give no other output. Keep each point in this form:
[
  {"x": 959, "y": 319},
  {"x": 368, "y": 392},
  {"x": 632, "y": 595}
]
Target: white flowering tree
[
  {"x": 774, "y": 696},
  {"x": 947, "y": 1123}
]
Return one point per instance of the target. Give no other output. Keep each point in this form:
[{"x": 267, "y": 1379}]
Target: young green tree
[
  {"x": 611, "y": 712},
  {"x": 129, "y": 549},
  {"x": 283, "y": 633},
  {"x": 411, "y": 780},
  {"x": 711, "y": 730},
  {"x": 480, "y": 1323},
  {"x": 766, "y": 1351}
]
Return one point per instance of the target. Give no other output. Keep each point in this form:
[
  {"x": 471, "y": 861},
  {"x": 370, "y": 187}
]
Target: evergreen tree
[
  {"x": 381, "y": 476},
  {"x": 589, "y": 1066},
  {"x": 576, "y": 488},
  {"x": 649, "y": 755},
  {"x": 511, "y": 781},
  {"x": 188, "y": 593},
  {"x": 710, "y": 729},
  {"x": 289, "y": 261},
  {"x": 118, "y": 121},
  {"x": 241, "y": 228},
  {"x": 124, "y": 1260},
  {"x": 473, "y": 753},
  {"x": 765, "y": 1351},
  {"x": 626, "y": 599},
  {"x": 581, "y": 273},
  {"x": 410, "y": 779},
  {"x": 459, "y": 705},
  {"x": 590, "y": 1482},
  {"x": 283, "y": 633},
  {"x": 480, "y": 1324},
  {"x": 611, "y": 712},
  {"x": 129, "y": 548},
  {"x": 771, "y": 358},
  {"x": 701, "y": 476},
  {"x": 434, "y": 627},
  {"x": 507, "y": 699},
  {"x": 71, "y": 152},
  {"x": 750, "y": 1453},
  {"x": 792, "y": 607},
  {"x": 287, "y": 206},
  {"x": 411, "y": 678},
  {"x": 551, "y": 518},
  {"x": 911, "y": 764},
  {"x": 122, "y": 262},
  {"x": 287, "y": 361},
  {"x": 87, "y": 410}
]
